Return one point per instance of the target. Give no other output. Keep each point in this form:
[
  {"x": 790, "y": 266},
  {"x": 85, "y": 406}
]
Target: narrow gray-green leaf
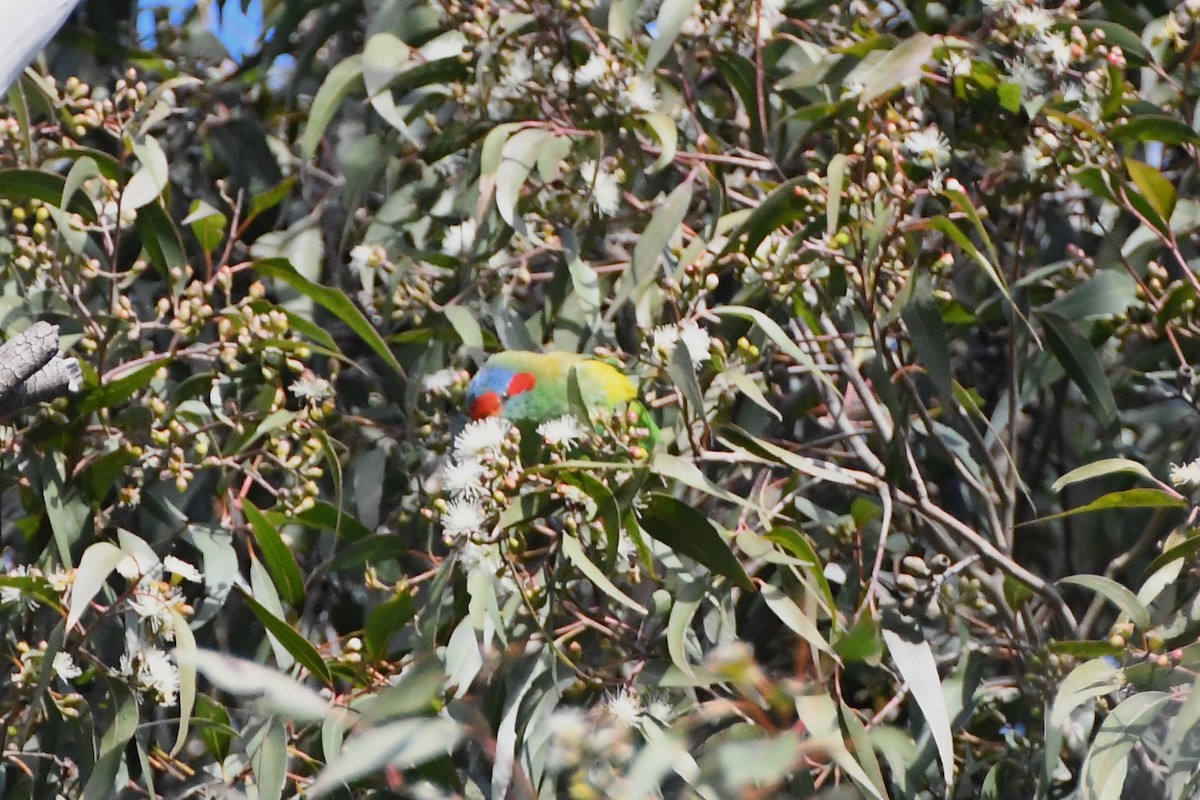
[
  {"x": 573, "y": 549},
  {"x": 1079, "y": 360},
  {"x": 1125, "y": 600},
  {"x": 671, "y": 16},
  {"x": 918, "y": 667}
]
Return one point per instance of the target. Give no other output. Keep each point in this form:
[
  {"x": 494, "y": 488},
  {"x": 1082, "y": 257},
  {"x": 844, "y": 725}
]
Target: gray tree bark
[{"x": 32, "y": 369}]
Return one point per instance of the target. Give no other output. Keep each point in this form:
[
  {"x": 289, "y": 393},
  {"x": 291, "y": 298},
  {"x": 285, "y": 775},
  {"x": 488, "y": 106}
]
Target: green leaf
[
  {"x": 1154, "y": 187},
  {"x": 682, "y": 371},
  {"x": 663, "y": 127},
  {"x": 208, "y": 224},
  {"x": 33, "y": 184},
  {"x": 1108, "y": 761},
  {"x": 517, "y": 159},
  {"x": 916, "y": 664},
  {"x": 1116, "y": 594},
  {"x": 1154, "y": 128},
  {"x": 902, "y": 64},
  {"x": 1079, "y": 360},
  {"x": 791, "y": 615},
  {"x": 297, "y": 645},
  {"x": 400, "y": 745},
  {"x": 276, "y": 555},
  {"x": 102, "y": 782},
  {"x": 268, "y": 750},
  {"x": 115, "y": 392},
  {"x": 215, "y": 729},
  {"x": 148, "y": 183},
  {"x": 924, "y": 322},
  {"x": 185, "y": 642},
  {"x": 777, "y": 335},
  {"x": 275, "y": 691},
  {"x": 338, "y": 83},
  {"x": 671, "y": 16},
  {"x": 160, "y": 238},
  {"x": 1087, "y": 681},
  {"x": 572, "y": 548},
  {"x": 835, "y": 177},
  {"x": 777, "y": 209},
  {"x": 795, "y": 543},
  {"x": 687, "y": 531},
  {"x": 1106, "y": 293},
  {"x": 385, "y": 619},
  {"x": 97, "y": 563},
  {"x": 1096, "y": 469},
  {"x": 861, "y": 642},
  {"x": 1129, "y": 498},
  {"x": 1179, "y": 552},
  {"x": 650, "y": 245},
  {"x": 334, "y": 301},
  {"x": 464, "y": 324}
]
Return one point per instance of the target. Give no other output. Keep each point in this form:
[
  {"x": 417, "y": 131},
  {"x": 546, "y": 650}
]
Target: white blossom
[
  {"x": 1056, "y": 47},
  {"x": 596, "y": 67},
  {"x": 11, "y": 594},
  {"x": 1186, "y": 474},
  {"x": 605, "y": 187},
  {"x": 366, "y": 255},
  {"x": 483, "y": 436},
  {"x": 1027, "y": 77},
  {"x": 479, "y": 557},
  {"x": 929, "y": 147},
  {"x": 464, "y": 478},
  {"x": 459, "y": 238},
  {"x": 157, "y": 675},
  {"x": 640, "y": 94},
  {"x": 441, "y": 382},
  {"x": 697, "y": 341},
  {"x": 463, "y": 516},
  {"x": 311, "y": 388},
  {"x": 565, "y": 430},
  {"x": 65, "y": 666},
  {"x": 1032, "y": 20},
  {"x": 624, "y": 707},
  {"x": 157, "y": 603},
  {"x": 516, "y": 73}
]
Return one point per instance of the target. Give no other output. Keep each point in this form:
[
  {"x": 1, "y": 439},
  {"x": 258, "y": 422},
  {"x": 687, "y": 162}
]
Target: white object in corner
[{"x": 25, "y": 28}]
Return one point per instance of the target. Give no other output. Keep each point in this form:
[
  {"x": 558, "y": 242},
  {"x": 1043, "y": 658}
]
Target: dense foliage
[{"x": 909, "y": 291}]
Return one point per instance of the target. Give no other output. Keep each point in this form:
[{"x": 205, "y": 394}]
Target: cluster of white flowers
[
  {"x": 698, "y": 342},
  {"x": 929, "y": 147},
  {"x": 1186, "y": 475},
  {"x": 60, "y": 581},
  {"x": 483, "y": 437},
  {"x": 564, "y": 431},
  {"x": 604, "y": 187},
  {"x": 151, "y": 672},
  {"x": 365, "y": 257},
  {"x": 440, "y": 383},
  {"x": 467, "y": 478},
  {"x": 30, "y": 663},
  {"x": 158, "y": 603}
]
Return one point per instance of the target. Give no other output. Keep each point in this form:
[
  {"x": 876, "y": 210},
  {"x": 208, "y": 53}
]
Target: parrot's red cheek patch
[
  {"x": 486, "y": 405},
  {"x": 521, "y": 382}
]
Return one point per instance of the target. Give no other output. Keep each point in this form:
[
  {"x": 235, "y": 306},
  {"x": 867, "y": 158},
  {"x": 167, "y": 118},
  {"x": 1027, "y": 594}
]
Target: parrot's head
[{"x": 493, "y": 386}]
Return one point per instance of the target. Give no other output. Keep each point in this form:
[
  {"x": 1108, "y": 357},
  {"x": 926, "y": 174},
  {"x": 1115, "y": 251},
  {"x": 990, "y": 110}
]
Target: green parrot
[{"x": 530, "y": 388}]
